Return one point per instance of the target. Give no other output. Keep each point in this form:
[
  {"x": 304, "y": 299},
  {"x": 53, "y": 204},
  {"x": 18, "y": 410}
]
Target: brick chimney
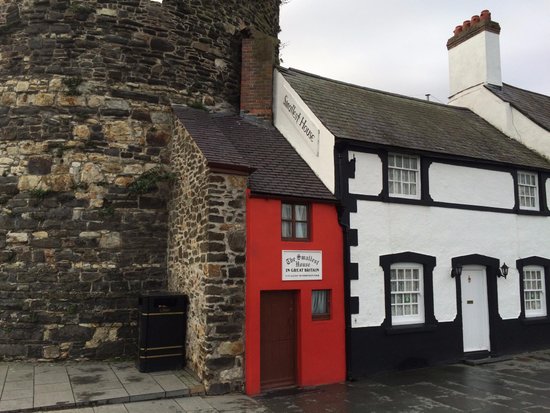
[
  {"x": 259, "y": 55},
  {"x": 474, "y": 54}
]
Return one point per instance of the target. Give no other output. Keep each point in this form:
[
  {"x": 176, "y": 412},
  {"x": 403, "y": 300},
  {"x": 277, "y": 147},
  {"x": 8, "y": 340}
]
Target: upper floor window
[
  {"x": 528, "y": 190},
  {"x": 403, "y": 176},
  {"x": 295, "y": 222},
  {"x": 534, "y": 291}
]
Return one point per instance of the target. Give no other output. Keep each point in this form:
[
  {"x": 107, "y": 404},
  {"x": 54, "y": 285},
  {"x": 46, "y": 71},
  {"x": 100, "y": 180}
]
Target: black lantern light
[{"x": 503, "y": 270}]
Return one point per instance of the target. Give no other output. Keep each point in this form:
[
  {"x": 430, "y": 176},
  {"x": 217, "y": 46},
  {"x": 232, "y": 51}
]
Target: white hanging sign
[
  {"x": 302, "y": 124},
  {"x": 302, "y": 265}
]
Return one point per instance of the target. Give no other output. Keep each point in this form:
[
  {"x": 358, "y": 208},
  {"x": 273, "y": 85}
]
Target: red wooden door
[{"x": 277, "y": 339}]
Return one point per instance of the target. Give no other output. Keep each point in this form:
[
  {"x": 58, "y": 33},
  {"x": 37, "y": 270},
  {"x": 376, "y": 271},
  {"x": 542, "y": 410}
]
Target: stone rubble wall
[
  {"x": 206, "y": 261},
  {"x": 85, "y": 95}
]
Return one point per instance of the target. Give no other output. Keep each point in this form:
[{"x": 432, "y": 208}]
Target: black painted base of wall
[{"x": 375, "y": 349}]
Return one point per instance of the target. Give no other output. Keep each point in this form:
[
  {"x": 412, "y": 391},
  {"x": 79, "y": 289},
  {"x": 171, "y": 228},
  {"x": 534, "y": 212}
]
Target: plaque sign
[{"x": 302, "y": 265}]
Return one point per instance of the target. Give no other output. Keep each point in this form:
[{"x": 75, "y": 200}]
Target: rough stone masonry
[{"x": 86, "y": 175}]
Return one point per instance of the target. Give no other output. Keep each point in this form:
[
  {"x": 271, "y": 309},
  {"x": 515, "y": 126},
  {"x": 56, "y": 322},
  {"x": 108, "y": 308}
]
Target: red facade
[{"x": 319, "y": 345}]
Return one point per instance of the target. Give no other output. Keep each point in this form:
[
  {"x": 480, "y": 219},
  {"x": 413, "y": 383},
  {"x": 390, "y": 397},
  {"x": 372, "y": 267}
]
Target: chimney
[
  {"x": 474, "y": 54},
  {"x": 259, "y": 54}
]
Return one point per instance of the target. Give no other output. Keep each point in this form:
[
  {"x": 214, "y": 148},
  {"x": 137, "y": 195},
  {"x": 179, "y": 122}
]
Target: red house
[
  {"x": 294, "y": 293},
  {"x": 294, "y": 297}
]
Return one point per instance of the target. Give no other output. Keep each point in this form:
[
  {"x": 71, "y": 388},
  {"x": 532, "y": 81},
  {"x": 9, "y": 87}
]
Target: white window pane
[
  {"x": 319, "y": 302},
  {"x": 287, "y": 211},
  {"x": 301, "y": 230},
  {"x": 398, "y": 161},
  {"x": 287, "y": 229},
  {"x": 301, "y": 212}
]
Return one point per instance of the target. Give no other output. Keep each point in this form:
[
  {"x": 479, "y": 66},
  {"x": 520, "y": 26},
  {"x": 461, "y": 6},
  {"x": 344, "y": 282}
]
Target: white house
[
  {"x": 476, "y": 83},
  {"x": 446, "y": 221}
]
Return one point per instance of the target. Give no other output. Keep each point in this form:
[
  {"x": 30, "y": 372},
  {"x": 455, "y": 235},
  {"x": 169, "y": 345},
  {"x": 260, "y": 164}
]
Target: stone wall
[
  {"x": 206, "y": 261},
  {"x": 85, "y": 124}
]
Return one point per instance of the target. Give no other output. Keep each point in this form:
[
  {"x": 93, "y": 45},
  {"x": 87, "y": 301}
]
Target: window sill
[
  {"x": 410, "y": 328},
  {"x": 535, "y": 320}
]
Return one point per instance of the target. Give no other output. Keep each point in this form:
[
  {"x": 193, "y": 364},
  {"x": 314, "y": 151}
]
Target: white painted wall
[
  {"x": 475, "y": 61},
  {"x": 386, "y": 228},
  {"x": 368, "y": 174},
  {"x": 317, "y": 152},
  {"x": 464, "y": 185},
  {"x": 504, "y": 117}
]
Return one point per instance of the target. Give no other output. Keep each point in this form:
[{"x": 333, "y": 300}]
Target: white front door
[{"x": 475, "y": 309}]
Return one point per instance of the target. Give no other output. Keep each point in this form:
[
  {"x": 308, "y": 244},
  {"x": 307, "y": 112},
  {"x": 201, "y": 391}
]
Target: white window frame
[
  {"x": 419, "y": 317},
  {"x": 537, "y": 312},
  {"x": 522, "y": 186},
  {"x": 403, "y": 170}
]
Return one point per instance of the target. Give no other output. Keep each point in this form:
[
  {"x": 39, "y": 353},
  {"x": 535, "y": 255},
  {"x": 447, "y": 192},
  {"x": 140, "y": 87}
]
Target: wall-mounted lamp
[
  {"x": 456, "y": 271},
  {"x": 503, "y": 270}
]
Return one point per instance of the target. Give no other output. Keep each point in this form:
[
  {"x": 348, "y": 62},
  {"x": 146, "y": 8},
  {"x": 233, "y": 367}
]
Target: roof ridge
[{"x": 382, "y": 92}]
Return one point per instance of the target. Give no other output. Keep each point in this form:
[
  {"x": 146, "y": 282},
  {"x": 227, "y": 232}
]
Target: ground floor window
[
  {"x": 534, "y": 291},
  {"x": 533, "y": 279},
  {"x": 407, "y": 306},
  {"x": 320, "y": 304},
  {"x": 408, "y": 289}
]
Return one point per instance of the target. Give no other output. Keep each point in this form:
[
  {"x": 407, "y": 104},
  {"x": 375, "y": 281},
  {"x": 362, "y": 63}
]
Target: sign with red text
[{"x": 302, "y": 265}]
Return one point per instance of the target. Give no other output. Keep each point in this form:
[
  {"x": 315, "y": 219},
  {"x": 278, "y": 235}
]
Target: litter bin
[{"x": 162, "y": 329}]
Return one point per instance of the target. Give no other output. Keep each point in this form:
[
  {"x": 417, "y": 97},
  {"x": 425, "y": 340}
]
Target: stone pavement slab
[
  {"x": 234, "y": 403},
  {"x": 520, "y": 384},
  {"x": 28, "y": 386}
]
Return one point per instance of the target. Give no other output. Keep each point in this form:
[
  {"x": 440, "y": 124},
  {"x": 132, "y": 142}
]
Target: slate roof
[
  {"x": 227, "y": 140},
  {"x": 533, "y": 105},
  {"x": 362, "y": 114}
]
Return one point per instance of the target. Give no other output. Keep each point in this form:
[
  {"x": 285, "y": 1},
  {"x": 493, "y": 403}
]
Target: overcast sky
[{"x": 399, "y": 45}]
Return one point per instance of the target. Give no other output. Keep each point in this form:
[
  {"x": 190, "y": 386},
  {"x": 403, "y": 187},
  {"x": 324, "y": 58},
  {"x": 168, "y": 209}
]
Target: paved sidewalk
[
  {"x": 518, "y": 384},
  {"x": 234, "y": 403},
  {"x": 30, "y": 386}
]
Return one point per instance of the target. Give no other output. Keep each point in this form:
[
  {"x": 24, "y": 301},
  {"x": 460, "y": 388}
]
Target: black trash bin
[{"x": 162, "y": 329}]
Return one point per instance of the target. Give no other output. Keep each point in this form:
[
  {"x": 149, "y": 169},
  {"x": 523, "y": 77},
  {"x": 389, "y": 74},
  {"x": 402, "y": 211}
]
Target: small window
[
  {"x": 407, "y": 303},
  {"x": 403, "y": 176},
  {"x": 295, "y": 222},
  {"x": 320, "y": 304},
  {"x": 528, "y": 191},
  {"x": 534, "y": 291}
]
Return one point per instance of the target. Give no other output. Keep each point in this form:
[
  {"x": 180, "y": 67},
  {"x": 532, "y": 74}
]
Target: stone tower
[{"x": 86, "y": 89}]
